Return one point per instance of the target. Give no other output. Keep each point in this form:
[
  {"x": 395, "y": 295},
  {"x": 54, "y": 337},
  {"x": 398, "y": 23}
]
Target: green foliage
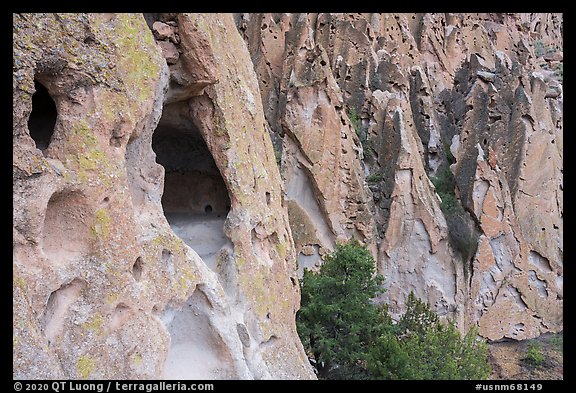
[
  {"x": 449, "y": 156},
  {"x": 357, "y": 125},
  {"x": 539, "y": 49},
  {"x": 350, "y": 337},
  {"x": 542, "y": 50},
  {"x": 445, "y": 185},
  {"x": 534, "y": 355},
  {"x": 436, "y": 350},
  {"x": 374, "y": 178},
  {"x": 557, "y": 342},
  {"x": 560, "y": 71},
  {"x": 418, "y": 317},
  {"x": 338, "y": 322},
  {"x": 375, "y": 81},
  {"x": 278, "y": 156},
  {"x": 355, "y": 120},
  {"x": 462, "y": 237}
]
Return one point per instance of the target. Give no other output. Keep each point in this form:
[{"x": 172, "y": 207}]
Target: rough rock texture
[
  {"x": 174, "y": 174},
  {"x": 458, "y": 121},
  {"x": 103, "y": 285}
]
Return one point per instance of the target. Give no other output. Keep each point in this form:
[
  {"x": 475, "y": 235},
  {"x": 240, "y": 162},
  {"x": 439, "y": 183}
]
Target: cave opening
[
  {"x": 195, "y": 200},
  {"x": 42, "y": 119}
]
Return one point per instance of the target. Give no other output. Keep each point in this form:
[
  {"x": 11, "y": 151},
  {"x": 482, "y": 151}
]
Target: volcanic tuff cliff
[{"x": 174, "y": 174}]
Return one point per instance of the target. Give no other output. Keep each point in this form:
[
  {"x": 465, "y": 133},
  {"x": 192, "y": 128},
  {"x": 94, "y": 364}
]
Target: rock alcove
[{"x": 195, "y": 200}]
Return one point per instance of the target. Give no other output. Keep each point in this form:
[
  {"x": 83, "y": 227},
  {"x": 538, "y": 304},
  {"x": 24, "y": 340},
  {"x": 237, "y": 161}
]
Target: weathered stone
[
  {"x": 486, "y": 76},
  {"x": 169, "y": 51},
  {"x": 426, "y": 92},
  {"x": 162, "y": 31},
  {"x": 105, "y": 283},
  {"x": 155, "y": 237}
]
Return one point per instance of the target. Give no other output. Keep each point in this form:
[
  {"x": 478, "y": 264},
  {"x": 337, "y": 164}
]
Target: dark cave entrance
[
  {"x": 42, "y": 118},
  {"x": 195, "y": 198}
]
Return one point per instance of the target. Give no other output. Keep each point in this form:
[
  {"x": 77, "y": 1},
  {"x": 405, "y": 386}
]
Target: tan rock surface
[
  {"x": 103, "y": 285},
  {"x": 425, "y": 93},
  {"x": 174, "y": 174}
]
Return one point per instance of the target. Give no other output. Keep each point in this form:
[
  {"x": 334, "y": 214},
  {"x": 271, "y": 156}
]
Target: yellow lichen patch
[
  {"x": 137, "y": 359},
  {"x": 136, "y": 52},
  {"x": 101, "y": 227},
  {"x": 186, "y": 280},
  {"x": 19, "y": 282},
  {"x": 84, "y": 366},
  {"x": 88, "y": 158},
  {"x": 95, "y": 324},
  {"x": 172, "y": 243},
  {"x": 281, "y": 248},
  {"x": 114, "y": 106},
  {"x": 112, "y": 298},
  {"x": 82, "y": 136},
  {"x": 110, "y": 269}
]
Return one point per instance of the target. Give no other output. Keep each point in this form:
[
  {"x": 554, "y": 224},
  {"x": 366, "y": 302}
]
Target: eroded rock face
[
  {"x": 155, "y": 237},
  {"x": 458, "y": 122},
  {"x": 106, "y": 284}
]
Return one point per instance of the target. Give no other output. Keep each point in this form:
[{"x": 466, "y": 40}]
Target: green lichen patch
[{"x": 281, "y": 248}]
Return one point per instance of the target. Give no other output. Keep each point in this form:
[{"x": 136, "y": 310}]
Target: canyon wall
[
  {"x": 435, "y": 139},
  {"x": 174, "y": 174}
]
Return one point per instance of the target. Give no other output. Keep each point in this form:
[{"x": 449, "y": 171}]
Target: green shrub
[
  {"x": 436, "y": 350},
  {"x": 355, "y": 120},
  {"x": 463, "y": 237},
  {"x": 278, "y": 156},
  {"x": 374, "y": 178},
  {"x": 557, "y": 341},
  {"x": 357, "y": 125},
  {"x": 534, "y": 355},
  {"x": 445, "y": 185},
  {"x": 542, "y": 50},
  {"x": 350, "y": 337},
  {"x": 449, "y": 156},
  {"x": 560, "y": 71},
  {"x": 337, "y": 321}
]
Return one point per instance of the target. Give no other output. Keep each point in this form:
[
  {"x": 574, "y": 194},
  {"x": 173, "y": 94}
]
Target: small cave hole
[
  {"x": 42, "y": 119},
  {"x": 106, "y": 200},
  {"x": 268, "y": 198},
  {"x": 485, "y": 141},
  {"x": 137, "y": 269},
  {"x": 195, "y": 198}
]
